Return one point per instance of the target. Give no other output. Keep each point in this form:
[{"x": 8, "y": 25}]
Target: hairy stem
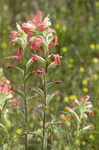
[
  {"x": 26, "y": 114},
  {"x": 44, "y": 114}
]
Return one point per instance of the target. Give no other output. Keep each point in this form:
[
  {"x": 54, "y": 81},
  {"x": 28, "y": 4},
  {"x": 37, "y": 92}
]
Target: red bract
[
  {"x": 40, "y": 71},
  {"x": 41, "y": 27},
  {"x": 54, "y": 42},
  {"x": 68, "y": 117},
  {"x": 18, "y": 53},
  {"x": 52, "y": 57},
  {"x": 34, "y": 43},
  {"x": 74, "y": 103},
  {"x": 51, "y": 30},
  {"x": 37, "y": 18},
  {"x": 27, "y": 27},
  {"x": 91, "y": 113},
  {"x": 15, "y": 102},
  {"x": 13, "y": 36},
  {"x": 57, "y": 60},
  {"x": 34, "y": 58},
  {"x": 10, "y": 66}
]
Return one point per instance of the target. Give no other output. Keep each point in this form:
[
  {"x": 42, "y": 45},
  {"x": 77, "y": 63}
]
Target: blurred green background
[{"x": 77, "y": 26}]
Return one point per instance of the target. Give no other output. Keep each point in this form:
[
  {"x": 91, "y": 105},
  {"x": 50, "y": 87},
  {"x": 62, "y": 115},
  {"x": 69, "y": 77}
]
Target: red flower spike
[
  {"x": 57, "y": 60},
  {"x": 42, "y": 71},
  {"x": 31, "y": 87},
  {"x": 91, "y": 113},
  {"x": 12, "y": 36},
  {"x": 35, "y": 43},
  {"x": 34, "y": 58},
  {"x": 54, "y": 42},
  {"x": 41, "y": 27},
  {"x": 27, "y": 27},
  {"x": 37, "y": 18},
  {"x": 18, "y": 53}
]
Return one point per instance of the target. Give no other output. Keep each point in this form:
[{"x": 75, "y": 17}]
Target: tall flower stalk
[{"x": 37, "y": 35}]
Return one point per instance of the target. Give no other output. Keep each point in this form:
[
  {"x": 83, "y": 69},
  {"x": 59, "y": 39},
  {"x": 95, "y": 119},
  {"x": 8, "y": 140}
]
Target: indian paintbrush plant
[
  {"x": 37, "y": 37},
  {"x": 78, "y": 114}
]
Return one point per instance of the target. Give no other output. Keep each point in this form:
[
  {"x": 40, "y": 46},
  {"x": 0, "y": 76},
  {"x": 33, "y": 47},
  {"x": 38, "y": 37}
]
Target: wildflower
[
  {"x": 91, "y": 113},
  {"x": 18, "y": 53},
  {"x": 8, "y": 123},
  {"x": 64, "y": 28},
  {"x": 37, "y": 18},
  {"x": 4, "y": 45},
  {"x": 63, "y": 116},
  {"x": 34, "y": 58},
  {"x": 15, "y": 102},
  {"x": 77, "y": 142},
  {"x": 92, "y": 46},
  {"x": 27, "y": 27},
  {"x": 41, "y": 27},
  {"x": 91, "y": 137},
  {"x": 83, "y": 143},
  {"x": 65, "y": 99},
  {"x": 57, "y": 60},
  {"x": 68, "y": 117},
  {"x": 69, "y": 65},
  {"x": 57, "y": 26},
  {"x": 64, "y": 49},
  {"x": 85, "y": 90},
  {"x": 40, "y": 71},
  {"x": 95, "y": 77},
  {"x": 34, "y": 43},
  {"x": 82, "y": 69},
  {"x": 70, "y": 60},
  {"x": 95, "y": 60},
  {"x": 13, "y": 36},
  {"x": 74, "y": 103},
  {"x": 84, "y": 82},
  {"x": 54, "y": 42},
  {"x": 18, "y": 131},
  {"x": 97, "y": 4},
  {"x": 67, "y": 123},
  {"x": 72, "y": 97}
]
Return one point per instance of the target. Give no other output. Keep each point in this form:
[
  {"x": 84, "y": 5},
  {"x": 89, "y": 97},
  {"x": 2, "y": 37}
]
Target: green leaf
[
  {"x": 50, "y": 98},
  {"x": 75, "y": 114},
  {"x": 39, "y": 92},
  {"x": 5, "y": 129},
  {"x": 3, "y": 97},
  {"x": 28, "y": 64},
  {"x": 39, "y": 114},
  {"x": 20, "y": 70},
  {"x": 19, "y": 93},
  {"x": 45, "y": 141}
]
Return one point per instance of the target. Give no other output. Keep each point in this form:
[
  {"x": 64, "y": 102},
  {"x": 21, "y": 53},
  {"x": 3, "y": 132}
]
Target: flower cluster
[
  {"x": 4, "y": 84},
  {"x": 36, "y": 34}
]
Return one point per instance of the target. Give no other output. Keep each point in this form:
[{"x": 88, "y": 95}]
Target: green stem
[
  {"x": 44, "y": 114},
  {"x": 26, "y": 114}
]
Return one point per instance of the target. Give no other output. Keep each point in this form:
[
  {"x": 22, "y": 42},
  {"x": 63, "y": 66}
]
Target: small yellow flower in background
[
  {"x": 57, "y": 26},
  {"x": 97, "y": 46},
  {"x": 18, "y": 131},
  {"x": 67, "y": 123},
  {"x": 3, "y": 45},
  {"x": 69, "y": 65},
  {"x": 97, "y": 4},
  {"x": 91, "y": 137},
  {"x": 75, "y": 132},
  {"x": 8, "y": 123},
  {"x": 95, "y": 77},
  {"x": 82, "y": 69},
  {"x": 64, "y": 28},
  {"x": 62, "y": 116},
  {"x": 95, "y": 60},
  {"x": 73, "y": 97},
  {"x": 64, "y": 49},
  {"x": 85, "y": 90},
  {"x": 70, "y": 60},
  {"x": 66, "y": 99},
  {"x": 84, "y": 82},
  {"x": 83, "y": 143},
  {"x": 77, "y": 142},
  {"x": 66, "y": 108},
  {"x": 92, "y": 46}
]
